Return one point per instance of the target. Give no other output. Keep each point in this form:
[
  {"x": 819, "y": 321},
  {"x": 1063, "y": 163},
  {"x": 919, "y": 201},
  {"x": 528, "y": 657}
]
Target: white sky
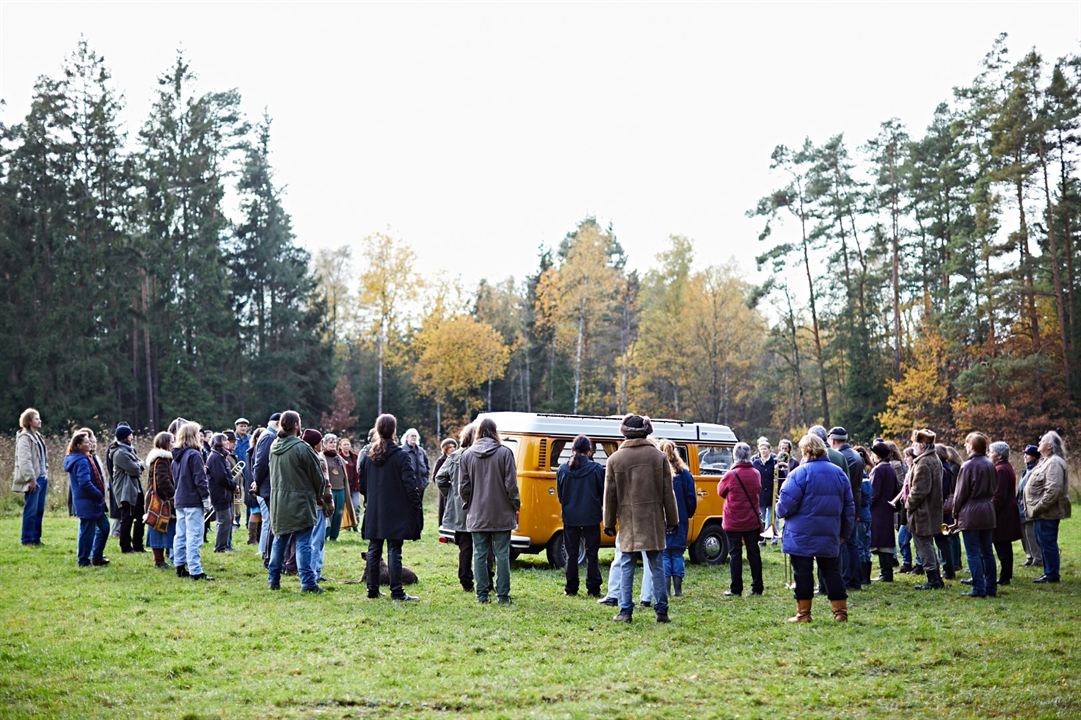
[{"x": 479, "y": 132}]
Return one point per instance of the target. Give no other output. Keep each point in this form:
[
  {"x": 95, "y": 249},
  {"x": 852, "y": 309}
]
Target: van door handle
[
  {"x": 551, "y": 491},
  {"x": 701, "y": 493}
]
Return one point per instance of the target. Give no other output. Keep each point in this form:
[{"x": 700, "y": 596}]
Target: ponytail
[
  {"x": 580, "y": 447},
  {"x": 289, "y": 424}
]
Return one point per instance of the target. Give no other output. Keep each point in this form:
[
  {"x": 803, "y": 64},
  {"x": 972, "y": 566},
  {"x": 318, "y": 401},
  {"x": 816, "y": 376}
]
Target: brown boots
[
  {"x": 803, "y": 612},
  {"x": 255, "y": 525}
]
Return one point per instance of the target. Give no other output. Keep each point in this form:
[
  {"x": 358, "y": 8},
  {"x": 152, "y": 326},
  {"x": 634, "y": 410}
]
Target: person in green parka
[{"x": 296, "y": 482}]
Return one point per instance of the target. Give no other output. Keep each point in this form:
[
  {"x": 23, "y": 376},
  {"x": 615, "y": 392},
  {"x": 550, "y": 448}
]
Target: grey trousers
[
  {"x": 925, "y": 549},
  {"x": 1028, "y": 541}
]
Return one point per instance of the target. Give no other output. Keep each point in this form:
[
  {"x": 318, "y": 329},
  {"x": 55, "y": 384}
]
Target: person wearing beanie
[
  {"x": 126, "y": 469},
  {"x": 884, "y": 487},
  {"x": 1007, "y": 521},
  {"x": 1033, "y": 554},
  {"x": 638, "y": 494},
  {"x": 261, "y": 483}
]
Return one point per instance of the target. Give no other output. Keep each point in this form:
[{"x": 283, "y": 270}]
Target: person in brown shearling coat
[{"x": 638, "y": 495}]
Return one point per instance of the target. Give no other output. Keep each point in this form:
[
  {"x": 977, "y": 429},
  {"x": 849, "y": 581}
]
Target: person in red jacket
[
  {"x": 1007, "y": 518},
  {"x": 740, "y": 489}
]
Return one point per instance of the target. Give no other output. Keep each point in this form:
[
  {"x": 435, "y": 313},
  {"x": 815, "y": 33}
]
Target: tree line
[{"x": 911, "y": 279}]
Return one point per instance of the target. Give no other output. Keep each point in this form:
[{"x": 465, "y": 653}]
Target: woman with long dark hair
[
  {"x": 159, "y": 482},
  {"x": 389, "y": 484},
  {"x": 580, "y": 486}
]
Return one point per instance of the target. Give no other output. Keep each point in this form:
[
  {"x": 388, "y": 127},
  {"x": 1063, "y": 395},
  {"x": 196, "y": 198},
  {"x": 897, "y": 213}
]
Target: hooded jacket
[
  {"x": 818, "y": 509},
  {"x": 489, "y": 487},
  {"x": 87, "y": 496},
  {"x": 393, "y": 495},
  {"x": 296, "y": 485},
  {"x": 189, "y": 478},
  {"x": 581, "y": 492},
  {"x": 158, "y": 463},
  {"x": 448, "y": 479},
  {"x": 686, "y": 505}
]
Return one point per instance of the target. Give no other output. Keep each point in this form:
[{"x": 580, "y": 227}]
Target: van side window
[
  {"x": 682, "y": 450},
  {"x": 561, "y": 453},
  {"x": 714, "y": 460}
]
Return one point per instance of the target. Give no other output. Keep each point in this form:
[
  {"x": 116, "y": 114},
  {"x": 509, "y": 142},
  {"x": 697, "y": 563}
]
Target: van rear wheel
[{"x": 711, "y": 547}]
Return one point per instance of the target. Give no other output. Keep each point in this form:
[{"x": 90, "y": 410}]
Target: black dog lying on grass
[{"x": 408, "y": 576}]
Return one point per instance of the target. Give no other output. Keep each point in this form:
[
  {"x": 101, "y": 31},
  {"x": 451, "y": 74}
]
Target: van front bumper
[{"x": 518, "y": 542}]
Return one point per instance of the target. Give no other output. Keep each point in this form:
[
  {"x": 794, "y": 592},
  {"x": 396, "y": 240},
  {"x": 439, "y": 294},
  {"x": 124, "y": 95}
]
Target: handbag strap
[{"x": 744, "y": 489}]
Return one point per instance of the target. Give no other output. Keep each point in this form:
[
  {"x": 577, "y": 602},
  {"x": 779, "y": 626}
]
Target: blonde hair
[
  {"x": 669, "y": 449},
  {"x": 24, "y": 419},
  {"x": 188, "y": 436},
  {"x": 812, "y": 445}
]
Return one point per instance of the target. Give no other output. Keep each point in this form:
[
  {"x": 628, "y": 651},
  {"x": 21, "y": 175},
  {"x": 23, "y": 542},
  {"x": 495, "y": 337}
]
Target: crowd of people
[{"x": 835, "y": 506}]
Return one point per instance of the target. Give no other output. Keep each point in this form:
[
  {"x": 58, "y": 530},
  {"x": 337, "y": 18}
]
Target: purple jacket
[{"x": 818, "y": 509}]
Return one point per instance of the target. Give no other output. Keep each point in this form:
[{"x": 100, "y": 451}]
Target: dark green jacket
[{"x": 295, "y": 485}]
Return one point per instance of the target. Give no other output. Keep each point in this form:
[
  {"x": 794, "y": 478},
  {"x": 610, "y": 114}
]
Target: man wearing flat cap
[
  {"x": 638, "y": 494},
  {"x": 850, "y": 553},
  {"x": 924, "y": 505}
]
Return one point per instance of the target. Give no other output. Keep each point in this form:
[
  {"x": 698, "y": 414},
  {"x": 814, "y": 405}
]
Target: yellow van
[{"x": 542, "y": 442}]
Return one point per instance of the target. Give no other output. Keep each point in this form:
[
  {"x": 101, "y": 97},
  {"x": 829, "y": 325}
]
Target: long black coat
[
  {"x": 883, "y": 489},
  {"x": 393, "y": 494}
]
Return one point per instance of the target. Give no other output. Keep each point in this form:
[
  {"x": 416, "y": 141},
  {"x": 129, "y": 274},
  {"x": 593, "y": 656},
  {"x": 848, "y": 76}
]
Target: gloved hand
[{"x": 610, "y": 532}]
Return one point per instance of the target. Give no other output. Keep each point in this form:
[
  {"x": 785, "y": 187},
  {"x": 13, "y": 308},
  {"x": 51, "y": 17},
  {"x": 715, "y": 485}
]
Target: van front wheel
[{"x": 711, "y": 547}]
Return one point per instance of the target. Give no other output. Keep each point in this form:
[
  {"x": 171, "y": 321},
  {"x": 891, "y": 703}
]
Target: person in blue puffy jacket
[
  {"x": 820, "y": 514},
  {"x": 88, "y": 497}
]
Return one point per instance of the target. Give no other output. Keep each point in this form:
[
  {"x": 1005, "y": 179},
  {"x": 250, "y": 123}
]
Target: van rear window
[
  {"x": 561, "y": 453},
  {"x": 714, "y": 460}
]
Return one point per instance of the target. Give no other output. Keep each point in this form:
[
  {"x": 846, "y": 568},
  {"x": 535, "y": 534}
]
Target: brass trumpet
[{"x": 949, "y": 529}]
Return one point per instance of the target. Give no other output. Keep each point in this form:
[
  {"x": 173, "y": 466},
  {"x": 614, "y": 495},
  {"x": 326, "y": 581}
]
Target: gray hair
[
  {"x": 1001, "y": 449},
  {"x": 330, "y": 437},
  {"x": 742, "y": 452},
  {"x": 1057, "y": 446},
  {"x": 819, "y": 431}
]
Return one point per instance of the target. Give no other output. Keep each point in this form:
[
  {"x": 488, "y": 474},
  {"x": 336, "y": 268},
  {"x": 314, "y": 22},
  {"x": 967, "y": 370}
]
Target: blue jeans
[
  {"x": 93, "y": 534},
  {"x": 863, "y": 537},
  {"x": 1047, "y": 538},
  {"x": 319, "y": 541},
  {"x": 304, "y": 559},
  {"x": 264, "y": 528},
  {"x": 615, "y": 576},
  {"x": 850, "y": 562},
  {"x": 33, "y": 511},
  {"x": 189, "y": 539},
  {"x": 981, "y": 561},
  {"x": 904, "y": 542},
  {"x": 655, "y": 567},
  {"x": 673, "y": 563}
]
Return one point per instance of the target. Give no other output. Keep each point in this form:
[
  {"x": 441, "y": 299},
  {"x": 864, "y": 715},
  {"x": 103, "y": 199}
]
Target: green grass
[{"x": 113, "y": 641}]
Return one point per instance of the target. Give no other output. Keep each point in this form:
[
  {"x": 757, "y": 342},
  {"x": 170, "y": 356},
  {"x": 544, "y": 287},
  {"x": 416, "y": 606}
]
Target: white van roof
[{"x": 604, "y": 427}]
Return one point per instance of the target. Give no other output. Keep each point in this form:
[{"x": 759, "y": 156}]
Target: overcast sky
[{"x": 478, "y": 133}]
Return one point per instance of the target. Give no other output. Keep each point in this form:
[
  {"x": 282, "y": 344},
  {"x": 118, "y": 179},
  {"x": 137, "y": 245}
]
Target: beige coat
[
  {"x": 924, "y": 503},
  {"x": 638, "y": 494},
  {"x": 1047, "y": 490},
  {"x": 29, "y": 460}
]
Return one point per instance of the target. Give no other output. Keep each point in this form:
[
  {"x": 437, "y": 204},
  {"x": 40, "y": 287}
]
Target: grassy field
[{"x": 133, "y": 641}]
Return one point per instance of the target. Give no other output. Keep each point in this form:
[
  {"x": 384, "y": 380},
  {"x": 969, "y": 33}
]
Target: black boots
[
  {"x": 934, "y": 581},
  {"x": 678, "y": 582},
  {"x": 867, "y": 573},
  {"x": 885, "y": 568}
]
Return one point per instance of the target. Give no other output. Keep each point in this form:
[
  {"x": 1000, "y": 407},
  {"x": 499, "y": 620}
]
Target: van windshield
[{"x": 714, "y": 460}]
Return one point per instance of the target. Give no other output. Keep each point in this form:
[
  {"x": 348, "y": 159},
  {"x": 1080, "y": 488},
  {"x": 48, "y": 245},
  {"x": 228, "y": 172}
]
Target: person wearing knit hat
[
  {"x": 884, "y": 487},
  {"x": 1033, "y": 554},
  {"x": 924, "y": 505},
  {"x": 126, "y": 469},
  {"x": 638, "y": 494}
]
